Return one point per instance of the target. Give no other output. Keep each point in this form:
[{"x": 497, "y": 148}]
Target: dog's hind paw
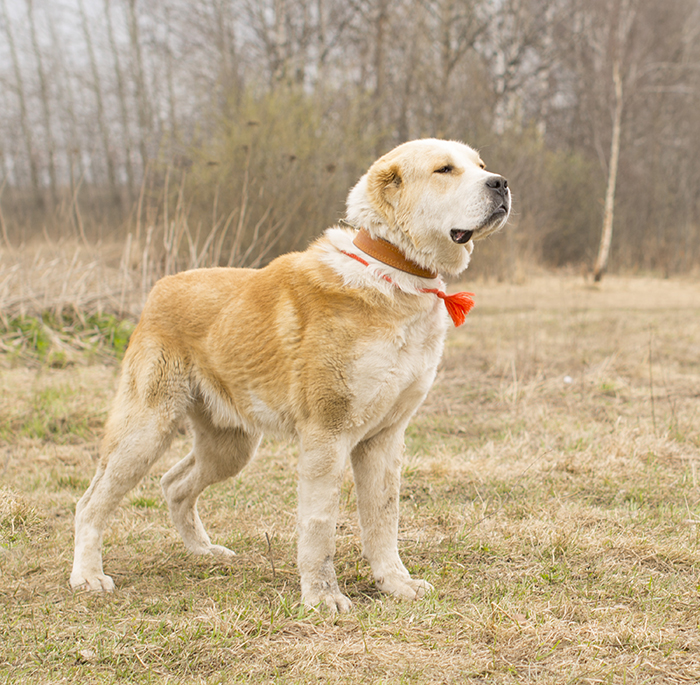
[
  {"x": 98, "y": 582},
  {"x": 222, "y": 553},
  {"x": 404, "y": 587}
]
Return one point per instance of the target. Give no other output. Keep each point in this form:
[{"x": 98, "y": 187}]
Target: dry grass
[
  {"x": 550, "y": 493},
  {"x": 73, "y": 274}
]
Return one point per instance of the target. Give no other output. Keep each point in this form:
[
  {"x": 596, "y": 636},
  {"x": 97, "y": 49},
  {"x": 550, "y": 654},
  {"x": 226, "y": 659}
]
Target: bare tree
[
  {"x": 143, "y": 105},
  {"x": 518, "y": 48},
  {"x": 615, "y": 47},
  {"x": 122, "y": 95},
  {"x": 97, "y": 90},
  {"x": 169, "y": 77},
  {"x": 25, "y": 124},
  {"x": 459, "y": 26},
  {"x": 601, "y": 261},
  {"x": 45, "y": 101},
  {"x": 66, "y": 106}
]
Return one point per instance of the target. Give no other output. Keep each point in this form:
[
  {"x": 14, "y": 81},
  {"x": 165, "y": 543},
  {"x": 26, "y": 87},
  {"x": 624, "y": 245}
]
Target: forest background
[{"x": 139, "y": 138}]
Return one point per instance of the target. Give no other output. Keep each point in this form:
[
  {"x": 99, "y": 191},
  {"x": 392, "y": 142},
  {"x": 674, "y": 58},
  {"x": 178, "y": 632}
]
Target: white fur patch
[
  {"x": 266, "y": 418},
  {"x": 221, "y": 411}
]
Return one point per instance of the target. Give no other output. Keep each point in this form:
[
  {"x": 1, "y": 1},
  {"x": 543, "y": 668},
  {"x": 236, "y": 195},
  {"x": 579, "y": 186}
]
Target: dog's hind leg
[
  {"x": 139, "y": 429},
  {"x": 217, "y": 454},
  {"x": 120, "y": 470}
]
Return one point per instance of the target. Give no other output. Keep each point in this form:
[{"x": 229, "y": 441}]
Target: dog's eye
[
  {"x": 482, "y": 165},
  {"x": 444, "y": 169}
]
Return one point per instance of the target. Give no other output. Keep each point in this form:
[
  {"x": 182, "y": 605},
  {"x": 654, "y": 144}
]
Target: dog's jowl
[{"x": 337, "y": 346}]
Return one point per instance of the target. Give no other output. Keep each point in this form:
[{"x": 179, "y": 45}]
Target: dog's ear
[{"x": 384, "y": 185}]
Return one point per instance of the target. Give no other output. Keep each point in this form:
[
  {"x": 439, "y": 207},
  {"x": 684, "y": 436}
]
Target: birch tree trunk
[{"x": 601, "y": 262}]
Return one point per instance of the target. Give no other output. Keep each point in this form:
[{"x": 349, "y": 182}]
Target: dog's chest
[{"x": 389, "y": 375}]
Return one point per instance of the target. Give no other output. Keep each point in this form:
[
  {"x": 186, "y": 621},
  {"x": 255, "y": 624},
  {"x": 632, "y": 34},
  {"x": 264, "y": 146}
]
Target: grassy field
[{"x": 551, "y": 494}]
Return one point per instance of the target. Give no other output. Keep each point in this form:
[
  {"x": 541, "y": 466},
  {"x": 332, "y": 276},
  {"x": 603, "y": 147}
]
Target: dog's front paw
[
  {"x": 404, "y": 587},
  {"x": 330, "y": 597},
  {"x": 97, "y": 582}
]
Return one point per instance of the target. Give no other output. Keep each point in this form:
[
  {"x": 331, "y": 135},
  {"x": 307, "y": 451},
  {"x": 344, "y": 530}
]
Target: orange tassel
[{"x": 458, "y": 305}]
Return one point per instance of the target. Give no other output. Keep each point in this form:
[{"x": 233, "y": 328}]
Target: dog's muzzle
[{"x": 501, "y": 195}]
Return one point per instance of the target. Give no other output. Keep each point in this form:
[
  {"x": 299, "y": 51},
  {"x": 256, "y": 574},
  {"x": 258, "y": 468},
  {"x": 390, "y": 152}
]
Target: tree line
[{"x": 262, "y": 113}]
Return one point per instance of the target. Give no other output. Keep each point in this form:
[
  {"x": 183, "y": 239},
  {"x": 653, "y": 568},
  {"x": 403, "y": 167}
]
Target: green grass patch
[
  {"x": 146, "y": 502},
  {"x": 57, "y": 340}
]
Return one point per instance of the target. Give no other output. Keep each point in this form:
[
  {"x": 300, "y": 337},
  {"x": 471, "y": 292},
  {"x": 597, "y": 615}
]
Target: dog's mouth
[{"x": 460, "y": 235}]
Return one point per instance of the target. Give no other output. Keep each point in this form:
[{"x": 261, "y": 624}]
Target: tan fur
[{"x": 314, "y": 345}]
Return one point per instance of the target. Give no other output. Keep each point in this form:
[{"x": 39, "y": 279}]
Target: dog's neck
[{"x": 387, "y": 253}]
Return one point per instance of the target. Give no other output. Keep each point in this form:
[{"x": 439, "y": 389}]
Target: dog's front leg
[
  {"x": 320, "y": 473},
  {"x": 376, "y": 466}
]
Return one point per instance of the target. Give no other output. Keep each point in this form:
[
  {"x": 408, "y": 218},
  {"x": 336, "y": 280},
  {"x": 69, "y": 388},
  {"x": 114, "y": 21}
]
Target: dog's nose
[{"x": 499, "y": 184}]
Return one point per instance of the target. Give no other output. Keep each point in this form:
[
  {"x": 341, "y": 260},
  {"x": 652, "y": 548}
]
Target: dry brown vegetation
[{"x": 550, "y": 494}]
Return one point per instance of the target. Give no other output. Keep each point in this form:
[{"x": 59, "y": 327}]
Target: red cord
[{"x": 457, "y": 305}]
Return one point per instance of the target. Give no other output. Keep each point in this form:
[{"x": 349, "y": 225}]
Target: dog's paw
[
  {"x": 404, "y": 587},
  {"x": 222, "y": 553},
  {"x": 334, "y": 601},
  {"x": 97, "y": 582},
  {"x": 219, "y": 551}
]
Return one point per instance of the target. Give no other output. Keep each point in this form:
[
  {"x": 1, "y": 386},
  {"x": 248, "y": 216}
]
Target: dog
[{"x": 337, "y": 345}]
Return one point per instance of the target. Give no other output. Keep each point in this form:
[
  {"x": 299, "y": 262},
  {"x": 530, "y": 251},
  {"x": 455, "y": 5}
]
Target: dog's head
[{"x": 431, "y": 198}]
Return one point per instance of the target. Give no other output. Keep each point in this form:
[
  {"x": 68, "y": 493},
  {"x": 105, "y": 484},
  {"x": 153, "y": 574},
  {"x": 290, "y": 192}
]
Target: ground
[{"x": 550, "y": 494}]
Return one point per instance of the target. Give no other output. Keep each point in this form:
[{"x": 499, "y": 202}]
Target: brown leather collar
[{"x": 389, "y": 254}]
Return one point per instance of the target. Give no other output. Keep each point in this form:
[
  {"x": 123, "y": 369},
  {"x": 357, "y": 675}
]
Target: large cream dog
[{"x": 337, "y": 345}]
